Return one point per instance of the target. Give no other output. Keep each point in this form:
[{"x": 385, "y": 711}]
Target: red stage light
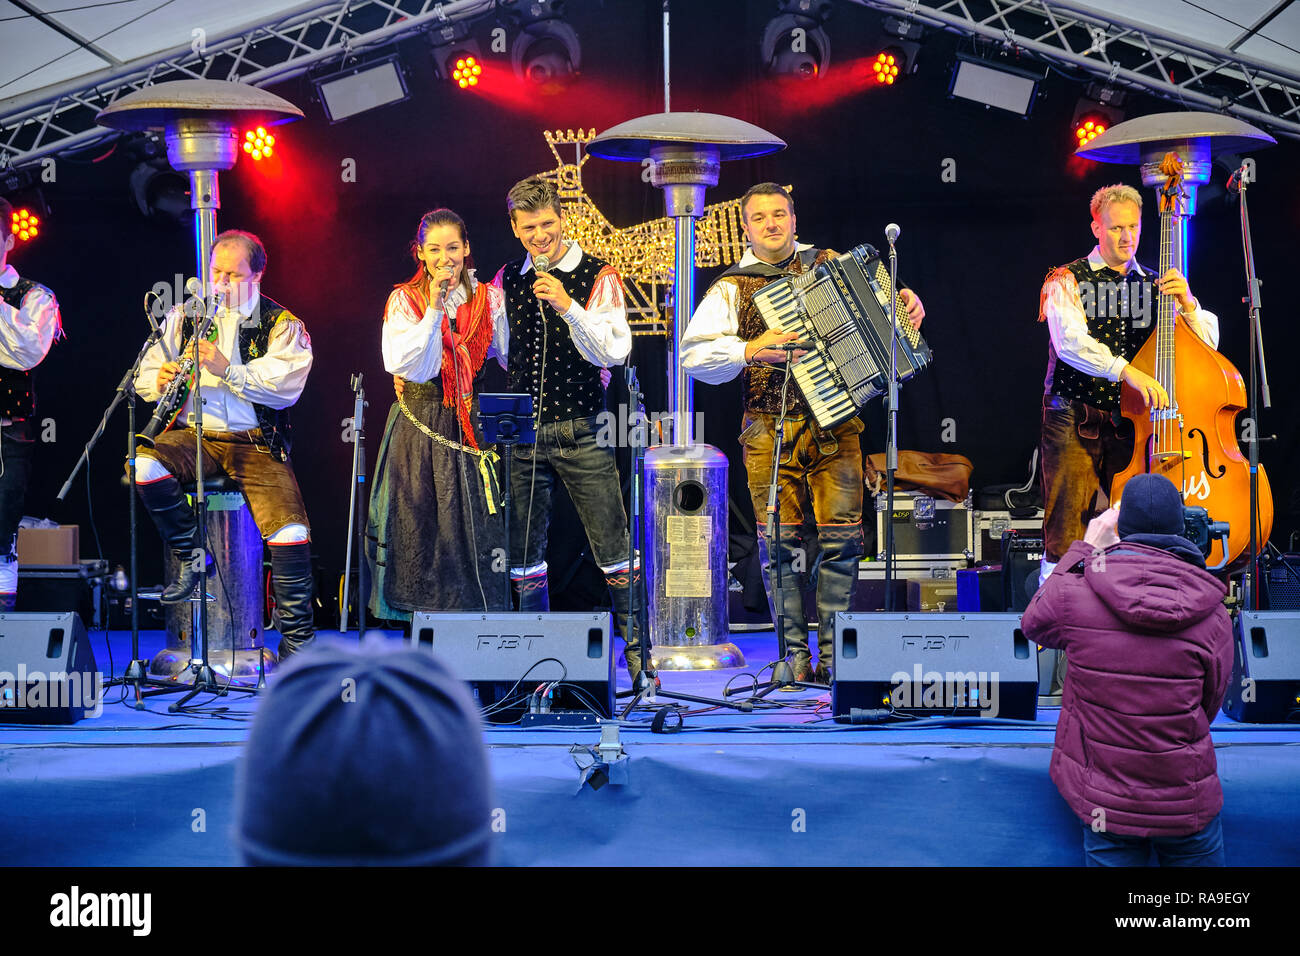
[
  {"x": 258, "y": 143},
  {"x": 466, "y": 72},
  {"x": 1088, "y": 128},
  {"x": 885, "y": 68},
  {"x": 26, "y": 226}
]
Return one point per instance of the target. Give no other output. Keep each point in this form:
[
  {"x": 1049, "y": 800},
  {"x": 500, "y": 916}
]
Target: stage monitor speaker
[
  {"x": 1022, "y": 556},
  {"x": 934, "y": 665},
  {"x": 505, "y": 656},
  {"x": 47, "y": 669},
  {"x": 1265, "y": 683}
]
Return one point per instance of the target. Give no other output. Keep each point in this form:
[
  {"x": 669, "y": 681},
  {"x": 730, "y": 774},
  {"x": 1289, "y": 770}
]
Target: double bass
[{"x": 1193, "y": 442}]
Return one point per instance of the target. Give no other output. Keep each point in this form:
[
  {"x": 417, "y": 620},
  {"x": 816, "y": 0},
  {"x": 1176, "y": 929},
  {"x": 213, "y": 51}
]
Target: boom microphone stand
[
  {"x": 782, "y": 674},
  {"x": 358, "y": 493},
  {"x": 137, "y": 671},
  {"x": 1257, "y": 385}
]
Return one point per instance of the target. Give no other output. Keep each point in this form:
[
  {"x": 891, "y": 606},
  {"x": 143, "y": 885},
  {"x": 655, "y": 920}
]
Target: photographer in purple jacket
[{"x": 1150, "y": 649}]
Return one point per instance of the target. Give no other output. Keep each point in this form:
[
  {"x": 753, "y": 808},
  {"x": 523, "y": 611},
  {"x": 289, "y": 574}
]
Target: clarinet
[{"x": 177, "y": 392}]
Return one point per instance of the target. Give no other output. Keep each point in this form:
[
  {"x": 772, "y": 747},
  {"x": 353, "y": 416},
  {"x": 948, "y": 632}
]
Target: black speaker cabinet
[
  {"x": 1022, "y": 556},
  {"x": 47, "y": 670},
  {"x": 1265, "y": 683},
  {"x": 1281, "y": 582},
  {"x": 934, "y": 665},
  {"x": 505, "y": 656}
]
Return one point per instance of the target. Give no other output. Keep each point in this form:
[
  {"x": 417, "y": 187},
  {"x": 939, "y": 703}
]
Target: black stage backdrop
[{"x": 988, "y": 202}]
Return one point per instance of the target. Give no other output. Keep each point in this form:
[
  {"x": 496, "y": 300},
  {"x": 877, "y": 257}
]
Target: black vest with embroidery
[
  {"x": 1121, "y": 311},
  {"x": 17, "y": 393},
  {"x": 253, "y": 341},
  {"x": 762, "y": 383},
  {"x": 564, "y": 385}
]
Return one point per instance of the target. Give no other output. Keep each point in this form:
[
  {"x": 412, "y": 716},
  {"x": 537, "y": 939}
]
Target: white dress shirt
[
  {"x": 1068, "y": 324},
  {"x": 412, "y": 344},
  {"x": 27, "y": 332},
  {"x": 712, "y": 352},
  {"x": 599, "y": 328},
  {"x": 274, "y": 379}
]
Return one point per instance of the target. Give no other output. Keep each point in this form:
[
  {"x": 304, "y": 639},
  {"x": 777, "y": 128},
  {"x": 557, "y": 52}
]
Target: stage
[{"x": 784, "y": 787}]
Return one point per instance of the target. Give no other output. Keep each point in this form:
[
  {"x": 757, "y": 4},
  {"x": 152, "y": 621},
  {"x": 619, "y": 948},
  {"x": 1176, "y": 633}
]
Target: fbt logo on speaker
[
  {"x": 37, "y": 689},
  {"x": 77, "y": 909}
]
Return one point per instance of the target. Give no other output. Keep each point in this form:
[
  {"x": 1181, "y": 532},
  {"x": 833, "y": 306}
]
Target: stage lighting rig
[
  {"x": 898, "y": 58},
  {"x": 794, "y": 42},
  {"x": 160, "y": 193},
  {"x": 456, "y": 55},
  {"x": 19, "y": 186},
  {"x": 1007, "y": 86},
  {"x": 365, "y": 85},
  {"x": 546, "y": 52},
  {"x": 1097, "y": 111}
]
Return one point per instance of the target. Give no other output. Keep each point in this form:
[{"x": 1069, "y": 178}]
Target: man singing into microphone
[
  {"x": 567, "y": 323},
  {"x": 254, "y": 370},
  {"x": 819, "y": 469}
]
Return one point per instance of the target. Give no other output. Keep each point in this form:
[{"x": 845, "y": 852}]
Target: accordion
[{"x": 842, "y": 307}]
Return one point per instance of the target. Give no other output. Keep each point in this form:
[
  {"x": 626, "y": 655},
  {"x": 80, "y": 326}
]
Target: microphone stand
[
  {"x": 358, "y": 492},
  {"x": 891, "y": 432},
  {"x": 137, "y": 671},
  {"x": 782, "y": 673},
  {"x": 205, "y": 678},
  {"x": 1258, "y": 386}
]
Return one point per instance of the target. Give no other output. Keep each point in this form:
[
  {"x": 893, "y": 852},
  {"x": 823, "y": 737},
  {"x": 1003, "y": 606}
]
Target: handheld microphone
[
  {"x": 541, "y": 264},
  {"x": 891, "y": 232}
]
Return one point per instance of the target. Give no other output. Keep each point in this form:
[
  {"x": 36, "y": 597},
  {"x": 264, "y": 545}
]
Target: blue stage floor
[{"x": 783, "y": 787}]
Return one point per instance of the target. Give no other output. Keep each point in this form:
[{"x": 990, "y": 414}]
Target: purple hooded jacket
[{"x": 1150, "y": 654}]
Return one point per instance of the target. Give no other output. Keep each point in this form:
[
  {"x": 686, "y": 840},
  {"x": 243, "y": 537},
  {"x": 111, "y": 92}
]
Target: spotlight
[
  {"x": 1094, "y": 114},
  {"x": 258, "y": 143},
  {"x": 160, "y": 193},
  {"x": 26, "y": 225},
  {"x": 794, "y": 42},
  {"x": 546, "y": 54},
  {"x": 456, "y": 57},
  {"x": 885, "y": 69}
]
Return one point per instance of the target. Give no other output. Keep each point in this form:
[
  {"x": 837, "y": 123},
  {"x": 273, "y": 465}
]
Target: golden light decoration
[
  {"x": 643, "y": 254},
  {"x": 25, "y": 225},
  {"x": 258, "y": 143}
]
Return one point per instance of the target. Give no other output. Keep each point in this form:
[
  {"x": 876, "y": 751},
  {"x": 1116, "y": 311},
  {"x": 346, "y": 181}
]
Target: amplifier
[
  {"x": 1265, "y": 683},
  {"x": 1281, "y": 577},
  {"x": 934, "y": 665},
  {"x": 990, "y": 526},
  {"x": 1022, "y": 556},
  {"x": 506, "y": 656}
]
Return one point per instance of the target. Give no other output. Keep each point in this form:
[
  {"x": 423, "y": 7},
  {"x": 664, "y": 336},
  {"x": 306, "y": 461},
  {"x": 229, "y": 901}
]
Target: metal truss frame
[
  {"x": 61, "y": 118},
  {"x": 1122, "y": 53}
]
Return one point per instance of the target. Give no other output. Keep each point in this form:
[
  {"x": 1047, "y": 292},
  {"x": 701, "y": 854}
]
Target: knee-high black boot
[
  {"x": 175, "y": 520},
  {"x": 292, "y": 581},
  {"x": 626, "y": 591},
  {"x": 841, "y": 546},
  {"x": 796, "y": 650}
]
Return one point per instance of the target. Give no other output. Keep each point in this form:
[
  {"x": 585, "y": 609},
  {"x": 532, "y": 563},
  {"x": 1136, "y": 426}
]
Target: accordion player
[{"x": 842, "y": 307}]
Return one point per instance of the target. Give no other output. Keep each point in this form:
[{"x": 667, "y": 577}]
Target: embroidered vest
[
  {"x": 1121, "y": 311},
  {"x": 564, "y": 385},
  {"x": 17, "y": 392},
  {"x": 253, "y": 341},
  {"x": 762, "y": 383}
]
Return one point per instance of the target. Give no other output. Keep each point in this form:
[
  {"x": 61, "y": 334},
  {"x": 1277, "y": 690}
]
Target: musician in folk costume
[
  {"x": 568, "y": 323},
  {"x": 1099, "y": 311},
  {"x": 436, "y": 527},
  {"x": 820, "y": 469},
  {"x": 249, "y": 376},
  {"x": 29, "y": 324}
]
